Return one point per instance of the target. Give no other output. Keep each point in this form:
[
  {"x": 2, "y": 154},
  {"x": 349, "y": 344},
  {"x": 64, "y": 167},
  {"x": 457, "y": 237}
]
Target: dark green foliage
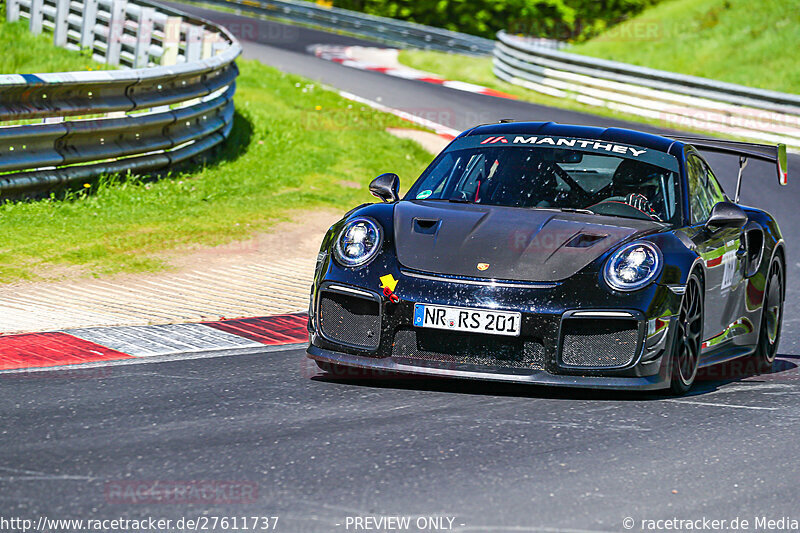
[{"x": 558, "y": 19}]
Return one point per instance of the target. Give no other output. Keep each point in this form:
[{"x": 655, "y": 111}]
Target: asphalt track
[{"x": 317, "y": 450}]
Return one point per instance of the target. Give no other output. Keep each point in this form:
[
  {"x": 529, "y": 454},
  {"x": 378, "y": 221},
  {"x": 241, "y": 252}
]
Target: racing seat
[
  {"x": 637, "y": 183},
  {"x": 634, "y": 176}
]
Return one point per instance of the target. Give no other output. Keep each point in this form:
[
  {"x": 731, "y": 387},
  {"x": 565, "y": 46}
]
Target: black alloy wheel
[
  {"x": 689, "y": 338},
  {"x": 771, "y": 319}
]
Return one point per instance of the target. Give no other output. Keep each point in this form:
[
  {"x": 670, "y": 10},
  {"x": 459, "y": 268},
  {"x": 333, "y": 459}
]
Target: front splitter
[{"x": 531, "y": 377}]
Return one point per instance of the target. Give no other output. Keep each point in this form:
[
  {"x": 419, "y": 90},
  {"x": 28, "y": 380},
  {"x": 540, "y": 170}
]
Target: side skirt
[{"x": 723, "y": 355}]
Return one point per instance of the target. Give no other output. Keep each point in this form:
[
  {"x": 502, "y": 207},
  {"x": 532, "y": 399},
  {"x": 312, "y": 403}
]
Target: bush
[{"x": 556, "y": 19}]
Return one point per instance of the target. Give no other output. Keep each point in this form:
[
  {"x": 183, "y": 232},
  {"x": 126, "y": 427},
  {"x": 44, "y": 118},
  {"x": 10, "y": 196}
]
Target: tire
[
  {"x": 688, "y": 338},
  {"x": 769, "y": 334}
]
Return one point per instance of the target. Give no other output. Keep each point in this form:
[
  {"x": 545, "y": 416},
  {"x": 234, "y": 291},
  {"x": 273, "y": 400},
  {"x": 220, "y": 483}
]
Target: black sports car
[{"x": 553, "y": 254}]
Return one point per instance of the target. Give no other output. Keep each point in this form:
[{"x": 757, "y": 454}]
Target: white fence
[{"x": 684, "y": 101}]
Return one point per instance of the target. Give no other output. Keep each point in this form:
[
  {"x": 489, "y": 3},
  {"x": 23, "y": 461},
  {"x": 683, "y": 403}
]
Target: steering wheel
[{"x": 611, "y": 206}]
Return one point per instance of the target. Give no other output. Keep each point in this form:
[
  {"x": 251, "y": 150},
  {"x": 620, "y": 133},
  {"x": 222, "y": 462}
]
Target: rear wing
[
  {"x": 765, "y": 152},
  {"x": 772, "y": 153}
]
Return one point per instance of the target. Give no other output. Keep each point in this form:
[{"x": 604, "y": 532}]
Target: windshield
[{"x": 636, "y": 183}]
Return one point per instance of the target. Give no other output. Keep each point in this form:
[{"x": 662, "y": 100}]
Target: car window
[
  {"x": 701, "y": 199},
  {"x": 714, "y": 188},
  {"x": 552, "y": 178},
  {"x": 593, "y": 172}
]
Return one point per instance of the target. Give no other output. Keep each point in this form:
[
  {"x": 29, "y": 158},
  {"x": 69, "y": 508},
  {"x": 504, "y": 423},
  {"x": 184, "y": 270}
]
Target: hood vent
[
  {"x": 426, "y": 226},
  {"x": 584, "y": 240}
]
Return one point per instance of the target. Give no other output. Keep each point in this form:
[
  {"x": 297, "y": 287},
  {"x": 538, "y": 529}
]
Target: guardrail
[
  {"x": 685, "y": 101},
  {"x": 78, "y": 125},
  {"x": 385, "y": 30}
]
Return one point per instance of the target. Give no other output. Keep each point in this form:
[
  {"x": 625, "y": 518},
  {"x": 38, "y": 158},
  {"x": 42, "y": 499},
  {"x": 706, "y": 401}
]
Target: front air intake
[
  {"x": 350, "y": 320},
  {"x": 599, "y": 342},
  {"x": 467, "y": 348}
]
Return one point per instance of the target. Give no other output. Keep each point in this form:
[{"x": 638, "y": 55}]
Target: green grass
[
  {"x": 24, "y": 53},
  {"x": 460, "y": 67},
  {"x": 738, "y": 41},
  {"x": 292, "y": 147}
]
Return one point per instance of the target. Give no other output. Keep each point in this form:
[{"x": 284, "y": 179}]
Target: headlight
[
  {"x": 633, "y": 266},
  {"x": 358, "y": 242}
]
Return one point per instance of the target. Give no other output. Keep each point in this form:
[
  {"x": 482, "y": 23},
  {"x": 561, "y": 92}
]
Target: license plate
[{"x": 464, "y": 319}]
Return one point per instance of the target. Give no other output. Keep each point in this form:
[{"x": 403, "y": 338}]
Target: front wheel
[
  {"x": 688, "y": 338},
  {"x": 771, "y": 318}
]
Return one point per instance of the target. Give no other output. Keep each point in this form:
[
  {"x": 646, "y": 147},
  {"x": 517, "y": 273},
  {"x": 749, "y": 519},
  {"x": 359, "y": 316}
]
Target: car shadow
[
  {"x": 708, "y": 380},
  {"x": 232, "y": 148},
  {"x": 784, "y": 370}
]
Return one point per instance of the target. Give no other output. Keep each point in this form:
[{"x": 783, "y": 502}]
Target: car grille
[
  {"x": 468, "y": 348},
  {"x": 350, "y": 320},
  {"x": 599, "y": 343}
]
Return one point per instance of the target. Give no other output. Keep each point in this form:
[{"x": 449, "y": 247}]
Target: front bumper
[
  {"x": 545, "y": 312},
  {"x": 535, "y": 377}
]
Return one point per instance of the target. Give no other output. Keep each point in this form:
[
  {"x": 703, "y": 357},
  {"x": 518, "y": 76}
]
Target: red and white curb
[
  {"x": 93, "y": 346},
  {"x": 344, "y": 56},
  {"x": 440, "y": 129}
]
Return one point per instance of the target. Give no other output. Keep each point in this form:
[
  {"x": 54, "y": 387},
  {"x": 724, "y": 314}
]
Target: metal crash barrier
[
  {"x": 386, "y": 30},
  {"x": 170, "y": 100},
  {"x": 687, "y": 102}
]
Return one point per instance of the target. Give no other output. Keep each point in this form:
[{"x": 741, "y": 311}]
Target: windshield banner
[{"x": 600, "y": 147}]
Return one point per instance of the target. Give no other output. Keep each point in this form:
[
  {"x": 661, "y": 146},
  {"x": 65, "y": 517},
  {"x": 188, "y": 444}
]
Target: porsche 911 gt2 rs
[{"x": 554, "y": 254}]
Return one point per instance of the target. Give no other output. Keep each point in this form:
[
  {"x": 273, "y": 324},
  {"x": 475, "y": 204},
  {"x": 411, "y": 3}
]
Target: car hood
[{"x": 503, "y": 242}]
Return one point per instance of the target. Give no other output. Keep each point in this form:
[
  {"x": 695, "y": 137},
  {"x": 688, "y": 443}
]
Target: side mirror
[
  {"x": 726, "y": 215},
  {"x": 386, "y": 187}
]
